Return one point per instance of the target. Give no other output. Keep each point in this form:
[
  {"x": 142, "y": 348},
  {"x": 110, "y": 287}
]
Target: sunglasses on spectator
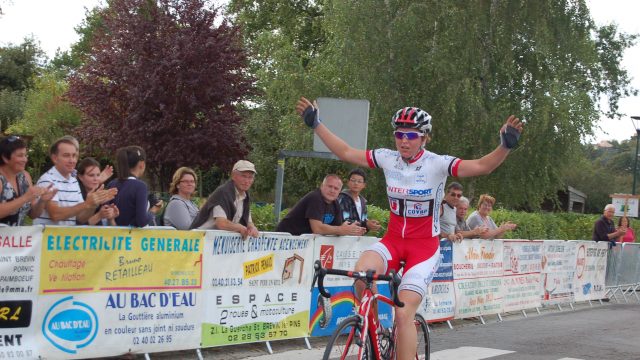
[
  {"x": 357, "y": 181},
  {"x": 188, "y": 181},
  {"x": 12, "y": 138},
  {"x": 410, "y": 135},
  {"x": 455, "y": 195}
]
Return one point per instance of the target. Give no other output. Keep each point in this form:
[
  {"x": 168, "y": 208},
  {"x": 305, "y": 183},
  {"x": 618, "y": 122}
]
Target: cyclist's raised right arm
[{"x": 337, "y": 146}]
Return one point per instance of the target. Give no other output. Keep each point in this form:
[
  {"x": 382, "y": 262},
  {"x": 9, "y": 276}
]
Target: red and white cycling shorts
[{"x": 421, "y": 257}]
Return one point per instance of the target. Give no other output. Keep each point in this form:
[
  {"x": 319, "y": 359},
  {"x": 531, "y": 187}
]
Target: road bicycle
[{"x": 360, "y": 337}]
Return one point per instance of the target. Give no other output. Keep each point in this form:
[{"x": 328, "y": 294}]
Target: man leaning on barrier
[
  {"x": 318, "y": 212},
  {"x": 228, "y": 207},
  {"x": 604, "y": 228}
]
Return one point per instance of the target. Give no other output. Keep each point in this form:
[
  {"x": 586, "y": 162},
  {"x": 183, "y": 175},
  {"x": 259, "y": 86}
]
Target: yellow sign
[
  {"x": 258, "y": 266},
  {"x": 107, "y": 259}
]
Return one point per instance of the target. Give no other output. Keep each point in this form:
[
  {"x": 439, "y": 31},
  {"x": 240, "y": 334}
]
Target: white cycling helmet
[{"x": 412, "y": 118}]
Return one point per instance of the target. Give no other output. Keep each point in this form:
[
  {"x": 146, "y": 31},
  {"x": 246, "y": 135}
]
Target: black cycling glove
[
  {"x": 311, "y": 117},
  {"x": 509, "y": 138}
]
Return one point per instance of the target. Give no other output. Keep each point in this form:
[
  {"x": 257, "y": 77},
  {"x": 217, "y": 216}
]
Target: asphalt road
[{"x": 609, "y": 331}]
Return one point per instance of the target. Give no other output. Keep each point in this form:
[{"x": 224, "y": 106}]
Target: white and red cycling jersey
[{"x": 415, "y": 190}]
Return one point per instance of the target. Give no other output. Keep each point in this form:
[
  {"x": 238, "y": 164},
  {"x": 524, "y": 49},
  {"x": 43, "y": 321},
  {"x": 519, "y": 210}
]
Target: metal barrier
[{"x": 623, "y": 272}]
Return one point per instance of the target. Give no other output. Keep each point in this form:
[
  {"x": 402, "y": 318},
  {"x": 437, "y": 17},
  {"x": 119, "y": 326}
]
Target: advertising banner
[
  {"x": 256, "y": 289},
  {"x": 477, "y": 277},
  {"x": 558, "y": 265},
  {"x": 340, "y": 253},
  {"x": 591, "y": 264},
  {"x": 111, "y": 288},
  {"x": 19, "y": 278},
  {"x": 521, "y": 281},
  {"x": 439, "y": 304}
]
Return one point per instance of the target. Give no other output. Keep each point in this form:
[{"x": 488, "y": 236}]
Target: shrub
[{"x": 532, "y": 226}]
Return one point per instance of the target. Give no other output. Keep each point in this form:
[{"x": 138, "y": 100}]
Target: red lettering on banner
[{"x": 15, "y": 241}]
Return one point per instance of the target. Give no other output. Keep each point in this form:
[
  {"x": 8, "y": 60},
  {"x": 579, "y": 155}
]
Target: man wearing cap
[{"x": 227, "y": 208}]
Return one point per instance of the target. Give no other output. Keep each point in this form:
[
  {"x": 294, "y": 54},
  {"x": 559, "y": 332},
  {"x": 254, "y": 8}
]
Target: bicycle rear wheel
[
  {"x": 423, "y": 346},
  {"x": 345, "y": 342}
]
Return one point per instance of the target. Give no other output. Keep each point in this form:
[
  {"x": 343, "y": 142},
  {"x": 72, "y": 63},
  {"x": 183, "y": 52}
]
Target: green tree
[
  {"x": 47, "y": 116},
  {"x": 469, "y": 64},
  {"x": 19, "y": 64},
  {"x": 283, "y": 38},
  {"x": 66, "y": 61},
  {"x": 11, "y": 106},
  {"x": 602, "y": 171}
]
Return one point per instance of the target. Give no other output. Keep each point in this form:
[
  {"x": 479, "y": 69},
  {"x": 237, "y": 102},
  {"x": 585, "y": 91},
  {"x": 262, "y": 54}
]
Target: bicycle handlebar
[{"x": 368, "y": 276}]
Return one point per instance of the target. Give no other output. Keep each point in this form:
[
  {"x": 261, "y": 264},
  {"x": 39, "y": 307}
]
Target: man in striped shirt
[{"x": 67, "y": 205}]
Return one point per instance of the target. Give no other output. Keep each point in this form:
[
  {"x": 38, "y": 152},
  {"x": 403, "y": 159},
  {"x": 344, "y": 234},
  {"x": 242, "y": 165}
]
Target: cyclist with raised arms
[{"x": 415, "y": 181}]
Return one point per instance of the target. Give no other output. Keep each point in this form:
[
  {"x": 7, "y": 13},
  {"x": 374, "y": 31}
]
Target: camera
[{"x": 154, "y": 199}]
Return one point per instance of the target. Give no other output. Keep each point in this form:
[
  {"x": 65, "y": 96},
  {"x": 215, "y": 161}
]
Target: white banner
[
  {"x": 108, "y": 291},
  {"x": 521, "y": 282},
  {"x": 19, "y": 283},
  {"x": 477, "y": 277},
  {"x": 256, "y": 289},
  {"x": 591, "y": 265},
  {"x": 558, "y": 265}
]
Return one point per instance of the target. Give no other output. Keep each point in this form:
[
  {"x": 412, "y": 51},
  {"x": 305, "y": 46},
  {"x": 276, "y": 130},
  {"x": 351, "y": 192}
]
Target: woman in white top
[
  {"x": 180, "y": 210},
  {"x": 481, "y": 217}
]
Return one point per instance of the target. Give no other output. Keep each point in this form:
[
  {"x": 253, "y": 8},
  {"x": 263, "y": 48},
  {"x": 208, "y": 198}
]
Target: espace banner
[{"x": 256, "y": 289}]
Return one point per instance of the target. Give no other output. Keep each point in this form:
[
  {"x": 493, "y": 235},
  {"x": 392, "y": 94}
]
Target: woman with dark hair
[
  {"x": 91, "y": 179},
  {"x": 18, "y": 196},
  {"x": 180, "y": 210},
  {"x": 629, "y": 235},
  {"x": 132, "y": 199}
]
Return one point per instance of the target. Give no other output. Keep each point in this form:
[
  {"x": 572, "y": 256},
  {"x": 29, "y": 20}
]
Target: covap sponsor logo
[{"x": 70, "y": 325}]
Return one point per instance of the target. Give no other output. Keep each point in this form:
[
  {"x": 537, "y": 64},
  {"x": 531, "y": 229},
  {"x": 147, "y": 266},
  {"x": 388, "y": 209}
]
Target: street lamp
[{"x": 636, "y": 124}]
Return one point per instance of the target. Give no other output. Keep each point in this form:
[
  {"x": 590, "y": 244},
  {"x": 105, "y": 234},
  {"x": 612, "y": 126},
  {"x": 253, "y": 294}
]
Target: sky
[{"x": 52, "y": 23}]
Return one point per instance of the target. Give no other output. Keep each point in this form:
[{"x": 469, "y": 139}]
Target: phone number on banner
[
  {"x": 152, "y": 339},
  {"x": 16, "y": 354},
  {"x": 226, "y": 282}
]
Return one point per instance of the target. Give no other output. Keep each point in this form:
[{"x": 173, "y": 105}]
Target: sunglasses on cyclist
[{"x": 410, "y": 135}]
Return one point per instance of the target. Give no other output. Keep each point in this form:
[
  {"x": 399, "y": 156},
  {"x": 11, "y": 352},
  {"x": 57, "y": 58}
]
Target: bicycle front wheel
[
  {"x": 345, "y": 343},
  {"x": 423, "y": 346}
]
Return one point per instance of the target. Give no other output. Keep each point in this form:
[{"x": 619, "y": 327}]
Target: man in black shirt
[
  {"x": 318, "y": 212},
  {"x": 604, "y": 229}
]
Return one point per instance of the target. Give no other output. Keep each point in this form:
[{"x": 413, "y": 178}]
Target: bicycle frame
[{"x": 368, "y": 319}]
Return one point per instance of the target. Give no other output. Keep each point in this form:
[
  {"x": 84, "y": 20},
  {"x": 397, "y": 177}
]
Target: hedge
[{"x": 533, "y": 226}]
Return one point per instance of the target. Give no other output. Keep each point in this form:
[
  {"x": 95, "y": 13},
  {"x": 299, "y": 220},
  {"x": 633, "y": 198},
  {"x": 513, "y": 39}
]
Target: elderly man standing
[
  {"x": 318, "y": 212},
  {"x": 604, "y": 228},
  {"x": 228, "y": 207},
  {"x": 462, "y": 229}
]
